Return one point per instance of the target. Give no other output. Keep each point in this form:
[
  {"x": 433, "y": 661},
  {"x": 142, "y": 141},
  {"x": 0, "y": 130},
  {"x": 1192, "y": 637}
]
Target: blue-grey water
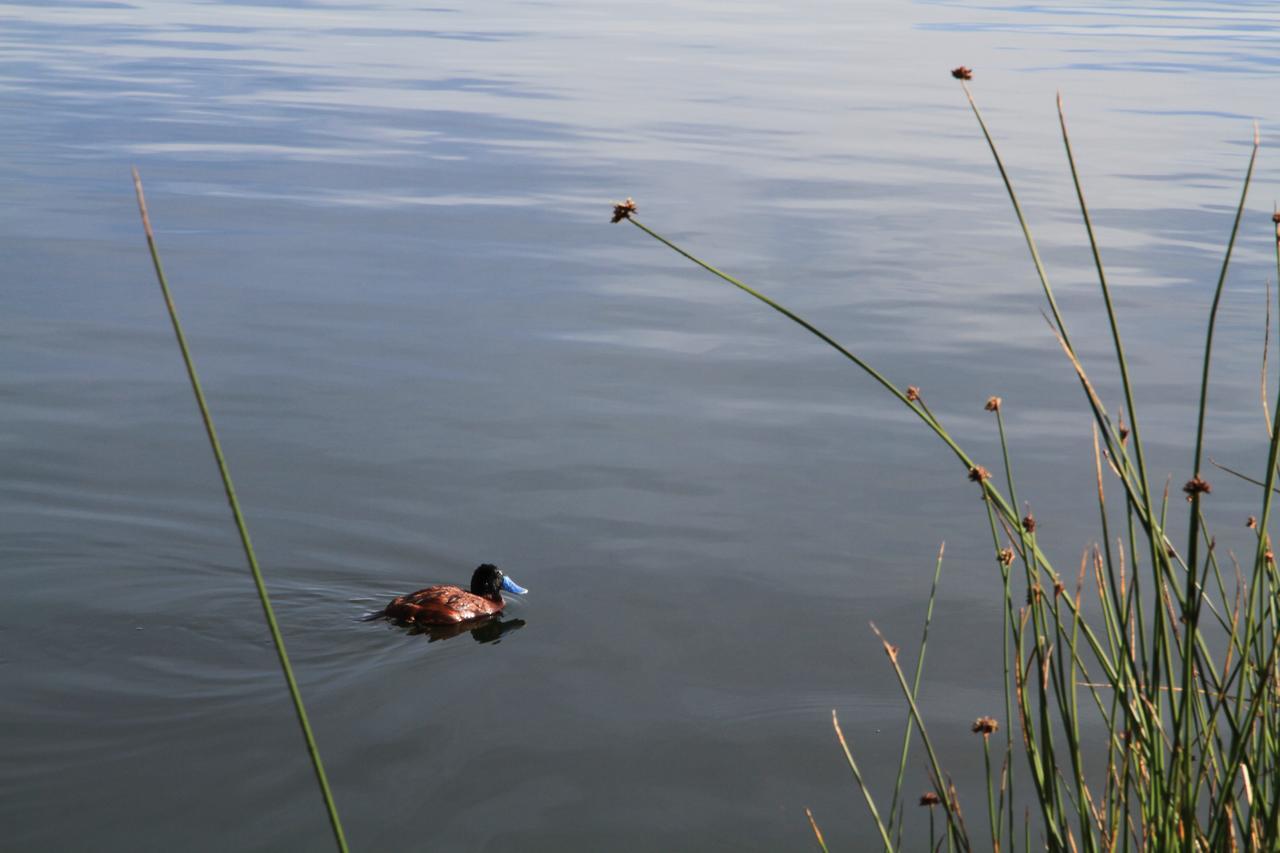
[{"x": 386, "y": 228}]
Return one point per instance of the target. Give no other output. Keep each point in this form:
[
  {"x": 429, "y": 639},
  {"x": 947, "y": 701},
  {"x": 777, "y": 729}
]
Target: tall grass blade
[
  {"x": 1109, "y": 305},
  {"x": 243, "y": 529},
  {"x": 1196, "y": 487},
  {"x": 862, "y": 785},
  {"x": 894, "y": 807},
  {"x": 1266, "y": 343},
  {"x": 817, "y": 833},
  {"x": 1022, "y": 219},
  {"x": 1213, "y": 310},
  {"x": 946, "y": 792}
]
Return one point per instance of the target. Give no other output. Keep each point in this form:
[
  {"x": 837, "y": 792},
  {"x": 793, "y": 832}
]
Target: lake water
[{"x": 386, "y": 228}]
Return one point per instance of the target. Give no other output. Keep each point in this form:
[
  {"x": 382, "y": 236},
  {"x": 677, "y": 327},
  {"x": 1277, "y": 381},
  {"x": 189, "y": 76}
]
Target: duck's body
[
  {"x": 442, "y": 605},
  {"x": 450, "y": 605}
]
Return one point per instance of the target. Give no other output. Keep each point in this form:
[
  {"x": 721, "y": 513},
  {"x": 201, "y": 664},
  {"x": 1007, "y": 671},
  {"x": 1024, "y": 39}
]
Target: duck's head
[{"x": 489, "y": 581}]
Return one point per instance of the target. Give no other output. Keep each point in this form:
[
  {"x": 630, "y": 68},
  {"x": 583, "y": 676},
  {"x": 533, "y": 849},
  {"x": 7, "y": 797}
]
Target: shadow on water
[{"x": 487, "y": 630}]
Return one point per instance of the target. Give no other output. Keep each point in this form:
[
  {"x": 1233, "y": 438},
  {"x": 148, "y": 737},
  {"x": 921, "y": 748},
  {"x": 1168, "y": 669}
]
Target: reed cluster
[{"x": 1173, "y": 653}]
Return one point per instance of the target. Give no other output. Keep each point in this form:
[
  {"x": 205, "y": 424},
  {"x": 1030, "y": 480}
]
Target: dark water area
[{"x": 386, "y": 227}]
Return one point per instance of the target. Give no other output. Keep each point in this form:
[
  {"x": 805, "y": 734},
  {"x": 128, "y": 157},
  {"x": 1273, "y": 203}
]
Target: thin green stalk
[
  {"x": 1213, "y": 311},
  {"x": 993, "y": 821},
  {"x": 1158, "y": 558},
  {"x": 1110, "y": 307},
  {"x": 1022, "y": 219},
  {"x": 1058, "y": 323},
  {"x": 1236, "y": 760},
  {"x": 862, "y": 786},
  {"x": 975, "y": 472},
  {"x": 243, "y": 529},
  {"x": 915, "y": 690},
  {"x": 817, "y": 833},
  {"x": 1072, "y": 723},
  {"x": 1259, "y": 562},
  {"x": 1182, "y": 722},
  {"x": 948, "y": 799},
  {"x": 1037, "y": 762},
  {"x": 1007, "y": 617}
]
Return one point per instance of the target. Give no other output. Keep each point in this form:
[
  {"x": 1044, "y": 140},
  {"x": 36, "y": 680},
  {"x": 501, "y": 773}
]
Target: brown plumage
[
  {"x": 441, "y": 605},
  {"x": 450, "y": 605}
]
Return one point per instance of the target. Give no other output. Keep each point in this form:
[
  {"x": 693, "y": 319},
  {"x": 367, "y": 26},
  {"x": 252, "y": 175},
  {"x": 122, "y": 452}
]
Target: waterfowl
[{"x": 450, "y": 605}]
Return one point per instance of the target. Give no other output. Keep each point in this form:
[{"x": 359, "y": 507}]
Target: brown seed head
[
  {"x": 962, "y": 72},
  {"x": 1058, "y": 588},
  {"x": 993, "y": 404},
  {"x": 1029, "y": 523},
  {"x": 1252, "y": 523},
  {"x": 1033, "y": 593},
  {"x": 929, "y": 799},
  {"x": 1275, "y": 217},
  {"x": 623, "y": 210},
  {"x": 977, "y": 473},
  {"x": 985, "y": 726},
  {"x": 913, "y": 393},
  {"x": 1196, "y": 486},
  {"x": 1269, "y": 556},
  {"x": 1006, "y": 556}
]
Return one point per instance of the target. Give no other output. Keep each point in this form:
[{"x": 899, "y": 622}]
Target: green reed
[
  {"x": 301, "y": 711},
  {"x": 1176, "y": 658}
]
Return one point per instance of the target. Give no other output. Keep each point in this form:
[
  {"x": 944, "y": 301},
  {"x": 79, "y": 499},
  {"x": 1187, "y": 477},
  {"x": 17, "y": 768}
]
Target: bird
[{"x": 451, "y": 605}]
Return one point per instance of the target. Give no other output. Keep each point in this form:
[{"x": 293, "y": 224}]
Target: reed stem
[{"x": 276, "y": 637}]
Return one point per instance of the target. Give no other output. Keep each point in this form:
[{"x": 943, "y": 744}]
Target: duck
[{"x": 451, "y": 605}]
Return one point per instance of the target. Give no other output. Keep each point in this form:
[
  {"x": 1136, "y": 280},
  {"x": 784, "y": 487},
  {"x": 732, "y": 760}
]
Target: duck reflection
[{"x": 489, "y": 630}]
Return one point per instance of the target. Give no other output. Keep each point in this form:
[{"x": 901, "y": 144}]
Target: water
[{"x": 386, "y": 228}]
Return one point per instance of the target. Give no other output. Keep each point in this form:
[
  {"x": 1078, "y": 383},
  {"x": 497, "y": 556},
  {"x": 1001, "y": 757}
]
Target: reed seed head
[
  {"x": 929, "y": 799},
  {"x": 993, "y": 404},
  {"x": 977, "y": 474},
  {"x": 1058, "y": 588},
  {"x": 1006, "y": 556},
  {"x": 913, "y": 393},
  {"x": 1033, "y": 593},
  {"x": 1196, "y": 486},
  {"x": 623, "y": 210},
  {"x": 985, "y": 726},
  {"x": 1252, "y": 523},
  {"x": 1029, "y": 523},
  {"x": 962, "y": 72},
  {"x": 1275, "y": 217}
]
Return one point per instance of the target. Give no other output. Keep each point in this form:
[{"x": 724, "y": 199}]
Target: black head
[{"x": 486, "y": 581}]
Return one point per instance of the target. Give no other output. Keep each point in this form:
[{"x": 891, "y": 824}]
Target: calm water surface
[{"x": 386, "y": 227}]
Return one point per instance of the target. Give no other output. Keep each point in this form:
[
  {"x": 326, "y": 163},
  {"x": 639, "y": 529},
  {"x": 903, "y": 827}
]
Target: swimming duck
[{"x": 449, "y": 605}]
